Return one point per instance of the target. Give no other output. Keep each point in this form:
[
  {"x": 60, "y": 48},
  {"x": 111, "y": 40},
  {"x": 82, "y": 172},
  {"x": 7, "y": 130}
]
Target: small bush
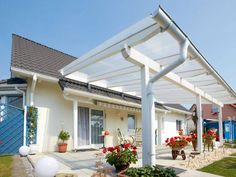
[
  {"x": 64, "y": 136},
  {"x": 150, "y": 171}
]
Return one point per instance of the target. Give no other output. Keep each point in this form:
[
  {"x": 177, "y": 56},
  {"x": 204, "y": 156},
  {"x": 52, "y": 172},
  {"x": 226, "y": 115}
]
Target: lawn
[
  {"x": 5, "y": 166},
  {"x": 225, "y": 167},
  {"x": 234, "y": 154}
]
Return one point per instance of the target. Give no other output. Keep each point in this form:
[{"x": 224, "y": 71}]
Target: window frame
[
  {"x": 178, "y": 124},
  {"x": 134, "y": 118}
]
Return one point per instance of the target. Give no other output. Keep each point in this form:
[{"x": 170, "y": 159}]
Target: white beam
[
  {"x": 123, "y": 83},
  {"x": 113, "y": 74},
  {"x": 199, "y": 123},
  {"x": 134, "y": 35},
  {"x": 136, "y": 57}
]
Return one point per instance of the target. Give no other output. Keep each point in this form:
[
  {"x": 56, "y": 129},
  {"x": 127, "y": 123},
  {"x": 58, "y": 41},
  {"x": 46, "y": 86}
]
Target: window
[
  {"x": 178, "y": 125},
  {"x": 131, "y": 122},
  {"x": 214, "y": 109},
  {"x": 97, "y": 126}
]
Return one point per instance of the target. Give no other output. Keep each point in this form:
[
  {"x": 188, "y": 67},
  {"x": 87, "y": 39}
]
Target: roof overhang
[
  {"x": 25, "y": 73},
  {"x": 155, "y": 41}
]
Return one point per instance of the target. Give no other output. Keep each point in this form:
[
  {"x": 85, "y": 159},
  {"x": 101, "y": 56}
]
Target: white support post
[
  {"x": 159, "y": 130},
  {"x": 75, "y": 122},
  {"x": 151, "y": 125},
  {"x": 199, "y": 123},
  {"x": 145, "y": 128},
  {"x": 220, "y": 120}
]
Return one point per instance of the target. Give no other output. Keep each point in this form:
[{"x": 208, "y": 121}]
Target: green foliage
[
  {"x": 32, "y": 113},
  {"x": 64, "y": 136},
  {"x": 150, "y": 171},
  {"x": 5, "y": 166}
]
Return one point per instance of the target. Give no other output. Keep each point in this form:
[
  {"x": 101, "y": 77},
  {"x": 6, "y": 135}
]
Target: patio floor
[{"x": 82, "y": 163}]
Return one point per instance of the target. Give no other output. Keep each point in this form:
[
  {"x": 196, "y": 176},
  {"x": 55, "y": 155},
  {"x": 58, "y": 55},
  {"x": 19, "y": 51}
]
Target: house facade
[
  {"x": 211, "y": 112},
  {"x": 82, "y": 109}
]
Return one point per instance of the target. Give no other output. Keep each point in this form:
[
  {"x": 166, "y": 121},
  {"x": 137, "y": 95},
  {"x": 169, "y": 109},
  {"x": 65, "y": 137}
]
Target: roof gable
[{"x": 35, "y": 57}]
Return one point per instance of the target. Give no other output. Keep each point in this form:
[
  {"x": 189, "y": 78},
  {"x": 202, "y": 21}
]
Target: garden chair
[
  {"x": 138, "y": 137},
  {"x": 122, "y": 139}
]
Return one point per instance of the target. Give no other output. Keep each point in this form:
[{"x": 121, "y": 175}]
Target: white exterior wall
[
  {"x": 56, "y": 113},
  {"x": 169, "y": 125}
]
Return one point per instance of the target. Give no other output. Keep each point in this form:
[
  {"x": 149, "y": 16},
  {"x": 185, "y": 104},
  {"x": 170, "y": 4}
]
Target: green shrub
[
  {"x": 150, "y": 171},
  {"x": 64, "y": 136}
]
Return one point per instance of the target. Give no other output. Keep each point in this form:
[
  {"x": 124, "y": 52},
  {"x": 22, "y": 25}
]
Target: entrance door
[
  {"x": 83, "y": 126},
  {"x": 97, "y": 126}
]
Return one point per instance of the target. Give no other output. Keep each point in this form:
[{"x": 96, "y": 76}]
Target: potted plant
[
  {"x": 193, "y": 136},
  {"x": 121, "y": 156},
  {"x": 63, "y": 136},
  {"x": 177, "y": 144},
  {"x": 208, "y": 138}
]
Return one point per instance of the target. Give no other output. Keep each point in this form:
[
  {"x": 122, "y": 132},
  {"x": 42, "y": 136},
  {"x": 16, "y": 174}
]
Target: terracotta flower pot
[
  {"x": 120, "y": 168},
  {"x": 62, "y": 147}
]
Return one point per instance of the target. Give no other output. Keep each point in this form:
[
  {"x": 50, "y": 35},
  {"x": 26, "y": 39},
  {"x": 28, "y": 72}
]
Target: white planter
[
  {"x": 34, "y": 149},
  {"x": 108, "y": 141}
]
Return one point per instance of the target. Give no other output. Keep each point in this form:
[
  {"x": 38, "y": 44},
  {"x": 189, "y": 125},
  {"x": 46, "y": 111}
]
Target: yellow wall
[{"x": 56, "y": 113}]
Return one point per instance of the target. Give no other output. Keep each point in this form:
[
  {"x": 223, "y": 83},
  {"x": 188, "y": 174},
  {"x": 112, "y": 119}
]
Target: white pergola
[{"x": 155, "y": 60}]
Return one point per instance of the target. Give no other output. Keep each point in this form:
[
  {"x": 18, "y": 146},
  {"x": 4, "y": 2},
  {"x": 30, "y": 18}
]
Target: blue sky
[{"x": 76, "y": 26}]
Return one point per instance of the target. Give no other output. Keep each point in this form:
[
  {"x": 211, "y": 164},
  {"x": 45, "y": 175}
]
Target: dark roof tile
[
  {"x": 13, "y": 80},
  {"x": 35, "y": 57}
]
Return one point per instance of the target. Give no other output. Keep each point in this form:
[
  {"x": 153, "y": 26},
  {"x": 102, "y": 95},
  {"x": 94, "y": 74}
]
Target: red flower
[
  {"x": 134, "y": 148},
  {"x": 189, "y": 139},
  {"x": 167, "y": 140},
  {"x": 126, "y": 146},
  {"x": 111, "y": 149},
  {"x": 135, "y": 152},
  {"x": 104, "y": 150},
  {"x": 106, "y": 133},
  {"x": 117, "y": 148}
]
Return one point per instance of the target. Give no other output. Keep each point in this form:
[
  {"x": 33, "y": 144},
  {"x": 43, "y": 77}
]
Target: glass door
[
  {"x": 97, "y": 126},
  {"x": 83, "y": 126}
]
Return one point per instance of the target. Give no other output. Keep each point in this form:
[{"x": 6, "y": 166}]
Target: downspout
[
  {"x": 25, "y": 109},
  {"x": 150, "y": 95},
  {"x": 23, "y": 94},
  {"x": 167, "y": 25},
  {"x": 34, "y": 81}
]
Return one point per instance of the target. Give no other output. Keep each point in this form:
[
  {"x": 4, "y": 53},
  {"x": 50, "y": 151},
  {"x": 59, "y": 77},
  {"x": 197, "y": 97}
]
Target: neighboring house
[
  {"x": 210, "y": 117},
  {"x": 57, "y": 98},
  {"x": 211, "y": 112}
]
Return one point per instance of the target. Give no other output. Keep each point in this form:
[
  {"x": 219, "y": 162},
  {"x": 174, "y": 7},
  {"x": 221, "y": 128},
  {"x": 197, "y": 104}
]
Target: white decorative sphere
[
  {"x": 46, "y": 167},
  {"x": 24, "y": 150}
]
